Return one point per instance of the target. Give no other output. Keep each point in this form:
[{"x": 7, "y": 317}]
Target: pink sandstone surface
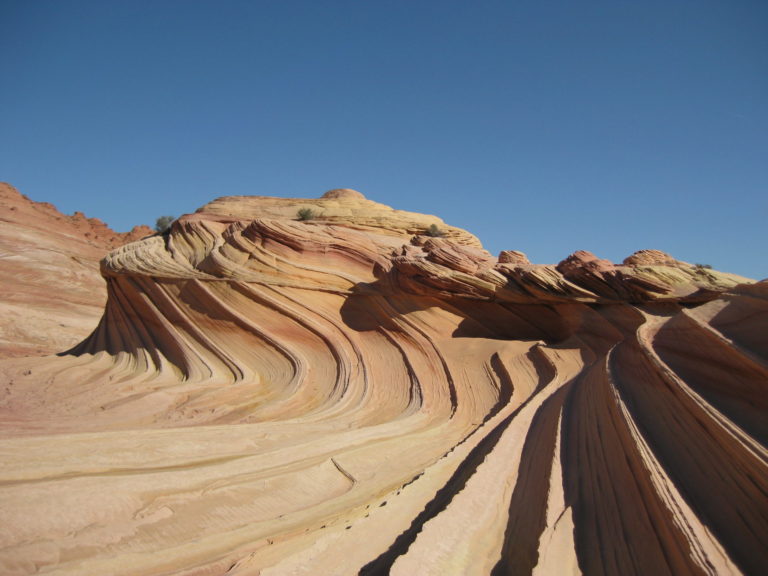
[
  {"x": 350, "y": 395},
  {"x": 52, "y": 292}
]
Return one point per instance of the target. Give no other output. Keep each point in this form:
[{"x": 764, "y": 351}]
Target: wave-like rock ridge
[{"x": 368, "y": 391}]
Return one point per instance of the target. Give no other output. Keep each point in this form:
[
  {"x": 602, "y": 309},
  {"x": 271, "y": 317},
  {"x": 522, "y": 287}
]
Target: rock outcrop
[
  {"x": 53, "y": 294},
  {"x": 370, "y": 392}
]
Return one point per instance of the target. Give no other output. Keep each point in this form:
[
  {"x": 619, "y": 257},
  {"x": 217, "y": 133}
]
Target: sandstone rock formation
[
  {"x": 350, "y": 395},
  {"x": 53, "y": 294}
]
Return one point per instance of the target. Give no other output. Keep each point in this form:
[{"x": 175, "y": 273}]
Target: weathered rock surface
[
  {"x": 350, "y": 395},
  {"x": 53, "y": 294}
]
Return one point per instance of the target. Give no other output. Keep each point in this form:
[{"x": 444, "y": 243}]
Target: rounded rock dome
[
  {"x": 343, "y": 193},
  {"x": 649, "y": 258}
]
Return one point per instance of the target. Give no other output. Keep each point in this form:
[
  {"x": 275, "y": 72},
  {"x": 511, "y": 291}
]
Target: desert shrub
[
  {"x": 163, "y": 223},
  {"x": 702, "y": 266},
  {"x": 305, "y": 214},
  {"x": 434, "y": 231}
]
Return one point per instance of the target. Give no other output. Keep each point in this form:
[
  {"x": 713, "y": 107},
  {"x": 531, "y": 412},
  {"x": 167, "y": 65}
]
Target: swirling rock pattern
[{"x": 365, "y": 393}]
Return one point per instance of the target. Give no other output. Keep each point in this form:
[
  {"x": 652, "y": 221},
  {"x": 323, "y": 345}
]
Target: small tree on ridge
[{"x": 163, "y": 223}]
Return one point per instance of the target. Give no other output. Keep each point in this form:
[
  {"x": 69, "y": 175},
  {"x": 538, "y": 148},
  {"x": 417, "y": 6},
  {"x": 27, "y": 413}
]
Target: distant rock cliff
[
  {"x": 53, "y": 294},
  {"x": 368, "y": 391}
]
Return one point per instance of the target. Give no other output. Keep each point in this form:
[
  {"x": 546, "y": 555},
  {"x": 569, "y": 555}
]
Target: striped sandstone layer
[{"x": 350, "y": 395}]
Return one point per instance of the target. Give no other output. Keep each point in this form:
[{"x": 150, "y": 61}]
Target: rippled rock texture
[{"x": 369, "y": 392}]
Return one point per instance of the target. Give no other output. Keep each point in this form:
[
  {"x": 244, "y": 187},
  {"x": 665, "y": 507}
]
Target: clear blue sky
[{"x": 546, "y": 127}]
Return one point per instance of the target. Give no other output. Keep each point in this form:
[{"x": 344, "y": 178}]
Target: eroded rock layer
[
  {"x": 52, "y": 292},
  {"x": 369, "y": 392}
]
